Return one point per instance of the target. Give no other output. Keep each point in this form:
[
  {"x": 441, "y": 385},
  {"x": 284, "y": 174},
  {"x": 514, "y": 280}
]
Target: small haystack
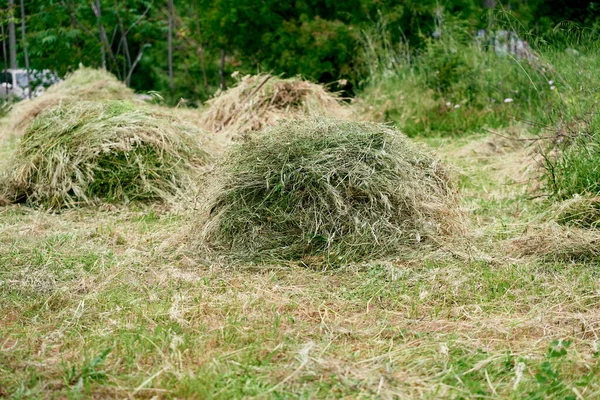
[
  {"x": 333, "y": 190},
  {"x": 262, "y": 100},
  {"x": 113, "y": 151},
  {"x": 557, "y": 243},
  {"x": 83, "y": 84},
  {"x": 580, "y": 211}
]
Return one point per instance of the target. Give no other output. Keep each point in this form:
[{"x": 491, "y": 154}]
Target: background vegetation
[{"x": 321, "y": 40}]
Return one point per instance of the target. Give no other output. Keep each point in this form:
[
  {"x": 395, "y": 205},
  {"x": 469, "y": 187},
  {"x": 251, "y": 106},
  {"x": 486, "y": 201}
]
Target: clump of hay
[
  {"x": 83, "y": 84},
  {"x": 262, "y": 100},
  {"x": 337, "y": 190},
  {"x": 112, "y": 151},
  {"x": 583, "y": 212},
  {"x": 557, "y": 243}
]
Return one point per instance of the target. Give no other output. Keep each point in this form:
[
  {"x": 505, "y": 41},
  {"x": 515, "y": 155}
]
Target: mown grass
[{"x": 102, "y": 303}]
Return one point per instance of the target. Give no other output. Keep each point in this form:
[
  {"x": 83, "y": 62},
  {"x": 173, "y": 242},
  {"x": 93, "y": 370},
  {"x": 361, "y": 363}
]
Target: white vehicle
[{"x": 13, "y": 82}]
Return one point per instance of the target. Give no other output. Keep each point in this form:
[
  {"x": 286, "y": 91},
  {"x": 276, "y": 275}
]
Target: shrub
[
  {"x": 114, "y": 151},
  {"x": 336, "y": 190}
]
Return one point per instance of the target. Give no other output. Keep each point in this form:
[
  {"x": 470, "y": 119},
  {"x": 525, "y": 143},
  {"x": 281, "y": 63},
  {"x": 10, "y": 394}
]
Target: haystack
[
  {"x": 557, "y": 243},
  {"x": 113, "y": 151},
  {"x": 580, "y": 211},
  {"x": 262, "y": 100},
  {"x": 83, "y": 84},
  {"x": 335, "y": 190}
]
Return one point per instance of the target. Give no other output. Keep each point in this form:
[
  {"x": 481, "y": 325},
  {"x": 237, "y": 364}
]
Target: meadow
[{"x": 115, "y": 298}]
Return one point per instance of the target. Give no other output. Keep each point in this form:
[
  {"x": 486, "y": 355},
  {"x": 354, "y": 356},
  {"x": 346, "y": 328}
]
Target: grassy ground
[{"x": 98, "y": 303}]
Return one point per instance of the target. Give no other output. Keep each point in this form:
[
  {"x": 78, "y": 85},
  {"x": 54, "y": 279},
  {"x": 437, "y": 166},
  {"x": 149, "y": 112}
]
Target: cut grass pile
[
  {"x": 580, "y": 211},
  {"x": 261, "y": 100},
  {"x": 336, "y": 190},
  {"x": 83, "y": 84},
  {"x": 114, "y": 151}
]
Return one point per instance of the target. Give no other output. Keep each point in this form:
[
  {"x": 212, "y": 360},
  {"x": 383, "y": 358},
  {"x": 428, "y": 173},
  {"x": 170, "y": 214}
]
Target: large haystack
[
  {"x": 262, "y": 100},
  {"x": 327, "y": 189},
  {"x": 83, "y": 84},
  {"x": 113, "y": 151}
]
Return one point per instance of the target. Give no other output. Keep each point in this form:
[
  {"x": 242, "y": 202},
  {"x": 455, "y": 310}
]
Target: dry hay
[
  {"x": 333, "y": 190},
  {"x": 583, "y": 212},
  {"x": 83, "y": 84},
  {"x": 262, "y": 100},
  {"x": 557, "y": 243},
  {"x": 114, "y": 151}
]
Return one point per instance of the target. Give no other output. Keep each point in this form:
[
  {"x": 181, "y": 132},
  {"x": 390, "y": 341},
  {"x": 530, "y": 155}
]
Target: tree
[
  {"x": 24, "y": 44},
  {"x": 170, "y": 45},
  {"x": 12, "y": 36}
]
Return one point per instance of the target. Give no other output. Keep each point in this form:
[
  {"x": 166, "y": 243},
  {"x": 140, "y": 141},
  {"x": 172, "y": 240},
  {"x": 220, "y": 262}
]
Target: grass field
[{"x": 109, "y": 303}]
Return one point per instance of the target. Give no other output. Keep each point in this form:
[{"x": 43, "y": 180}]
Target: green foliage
[
  {"x": 572, "y": 123},
  {"x": 314, "y": 38},
  {"x": 80, "y": 376}
]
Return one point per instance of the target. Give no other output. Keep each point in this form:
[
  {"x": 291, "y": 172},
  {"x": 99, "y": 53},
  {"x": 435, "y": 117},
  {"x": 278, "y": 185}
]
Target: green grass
[{"x": 105, "y": 303}]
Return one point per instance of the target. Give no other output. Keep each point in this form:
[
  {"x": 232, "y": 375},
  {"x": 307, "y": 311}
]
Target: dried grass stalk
[
  {"x": 114, "y": 151},
  {"x": 338, "y": 190}
]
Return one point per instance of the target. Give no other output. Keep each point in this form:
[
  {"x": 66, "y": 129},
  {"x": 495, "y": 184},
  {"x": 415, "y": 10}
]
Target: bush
[
  {"x": 336, "y": 190},
  {"x": 572, "y": 124},
  {"x": 115, "y": 151},
  {"x": 455, "y": 85}
]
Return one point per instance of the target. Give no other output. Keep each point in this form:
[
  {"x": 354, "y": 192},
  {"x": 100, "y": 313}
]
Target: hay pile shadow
[
  {"x": 113, "y": 151},
  {"x": 83, "y": 84},
  {"x": 339, "y": 191},
  {"x": 262, "y": 100}
]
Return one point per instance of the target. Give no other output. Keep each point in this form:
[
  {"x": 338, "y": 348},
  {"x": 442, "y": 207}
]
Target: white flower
[
  {"x": 457, "y": 106},
  {"x": 550, "y": 83},
  {"x": 552, "y": 87},
  {"x": 448, "y": 104},
  {"x": 508, "y": 100}
]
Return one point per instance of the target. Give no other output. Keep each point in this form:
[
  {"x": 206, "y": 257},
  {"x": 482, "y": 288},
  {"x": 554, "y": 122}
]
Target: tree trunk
[
  {"x": 101, "y": 33},
  {"x": 24, "y": 43},
  {"x": 4, "y": 57},
  {"x": 201, "y": 51},
  {"x": 171, "y": 17},
  {"x": 489, "y": 4},
  {"x": 221, "y": 68},
  {"x": 12, "y": 36}
]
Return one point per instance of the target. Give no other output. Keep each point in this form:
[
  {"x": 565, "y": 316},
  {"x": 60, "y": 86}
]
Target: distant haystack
[
  {"x": 83, "y": 84},
  {"x": 336, "y": 190},
  {"x": 113, "y": 151},
  {"x": 261, "y": 100}
]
